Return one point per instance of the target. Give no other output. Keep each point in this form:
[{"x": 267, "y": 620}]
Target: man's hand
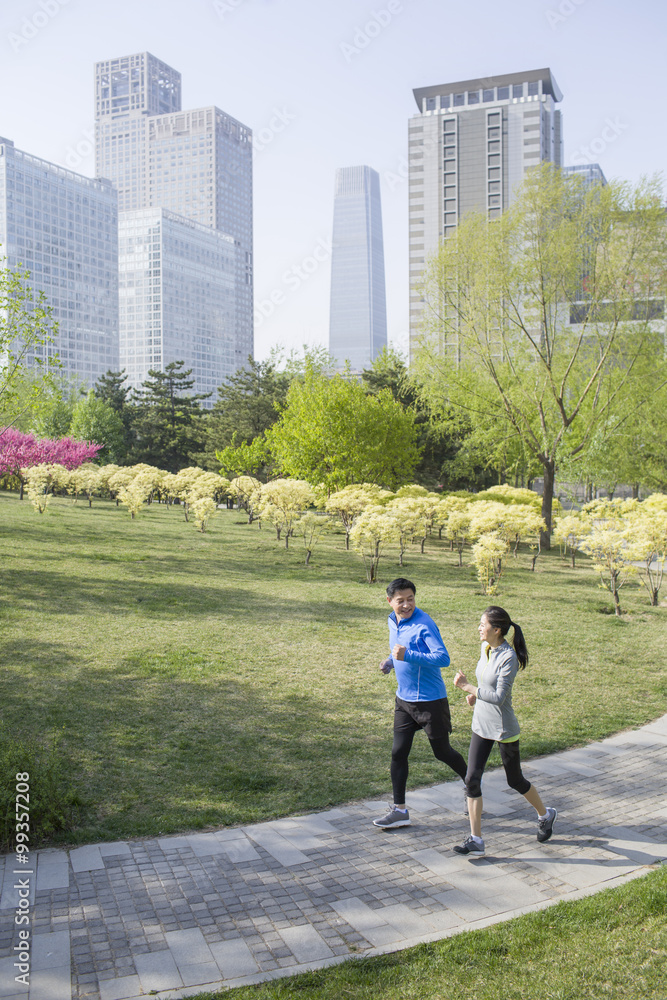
[
  {"x": 398, "y": 652},
  {"x": 386, "y": 666}
]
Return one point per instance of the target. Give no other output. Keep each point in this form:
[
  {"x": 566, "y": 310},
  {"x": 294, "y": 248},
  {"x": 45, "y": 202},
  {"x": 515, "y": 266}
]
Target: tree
[
  {"x": 248, "y": 404},
  {"x": 487, "y": 554},
  {"x": 332, "y": 432},
  {"x": 95, "y": 420},
  {"x": 447, "y": 454},
  {"x": 310, "y": 527},
  {"x": 543, "y": 319},
  {"x": 246, "y": 490},
  {"x": 570, "y": 530},
  {"x": 349, "y": 502},
  {"x": 53, "y": 418},
  {"x": 649, "y": 542},
  {"x": 86, "y": 480},
  {"x": 282, "y": 501},
  {"x": 41, "y": 480},
  {"x": 372, "y": 530},
  {"x": 112, "y": 389},
  {"x": 169, "y": 423},
  {"x": 243, "y": 459},
  {"x": 610, "y": 543},
  {"x": 27, "y": 357}
]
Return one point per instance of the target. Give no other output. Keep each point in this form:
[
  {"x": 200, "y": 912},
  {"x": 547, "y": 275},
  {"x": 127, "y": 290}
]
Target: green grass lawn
[
  {"x": 206, "y": 679},
  {"x": 611, "y": 946}
]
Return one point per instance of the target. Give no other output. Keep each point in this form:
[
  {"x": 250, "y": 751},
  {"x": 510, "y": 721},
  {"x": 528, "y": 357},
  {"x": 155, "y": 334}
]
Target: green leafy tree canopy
[{"x": 332, "y": 432}]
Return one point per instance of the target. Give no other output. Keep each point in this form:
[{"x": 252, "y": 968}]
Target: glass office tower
[
  {"x": 176, "y": 297},
  {"x": 63, "y": 228},
  {"x": 197, "y": 163},
  {"x": 358, "y": 313}
]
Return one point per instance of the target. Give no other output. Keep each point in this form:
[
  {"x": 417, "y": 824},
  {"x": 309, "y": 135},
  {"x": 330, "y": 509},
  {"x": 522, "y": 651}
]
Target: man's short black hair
[{"x": 400, "y": 584}]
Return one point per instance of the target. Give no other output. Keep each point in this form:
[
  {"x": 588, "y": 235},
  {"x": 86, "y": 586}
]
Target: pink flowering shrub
[{"x": 22, "y": 451}]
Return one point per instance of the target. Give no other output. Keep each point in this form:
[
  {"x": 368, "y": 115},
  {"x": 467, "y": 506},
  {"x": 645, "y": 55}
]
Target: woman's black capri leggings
[{"x": 480, "y": 749}]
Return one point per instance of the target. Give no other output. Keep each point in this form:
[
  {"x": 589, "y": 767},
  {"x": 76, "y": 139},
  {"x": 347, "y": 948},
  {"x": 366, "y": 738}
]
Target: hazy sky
[{"x": 328, "y": 83}]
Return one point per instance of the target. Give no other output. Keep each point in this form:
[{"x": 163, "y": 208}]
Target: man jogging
[{"x": 417, "y": 655}]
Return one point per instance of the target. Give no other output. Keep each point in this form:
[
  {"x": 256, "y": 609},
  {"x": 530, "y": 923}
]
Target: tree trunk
[
  {"x": 547, "y": 502},
  {"x": 308, "y": 555},
  {"x": 614, "y": 590}
]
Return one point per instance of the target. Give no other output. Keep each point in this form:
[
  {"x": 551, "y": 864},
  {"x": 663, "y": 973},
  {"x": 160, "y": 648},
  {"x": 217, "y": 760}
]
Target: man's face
[{"x": 402, "y": 603}]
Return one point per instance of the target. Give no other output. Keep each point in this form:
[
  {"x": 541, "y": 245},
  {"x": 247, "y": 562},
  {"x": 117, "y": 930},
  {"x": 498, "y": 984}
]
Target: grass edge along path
[{"x": 609, "y": 945}]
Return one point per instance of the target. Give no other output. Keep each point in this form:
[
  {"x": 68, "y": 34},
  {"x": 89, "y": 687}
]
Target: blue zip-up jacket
[{"x": 418, "y": 675}]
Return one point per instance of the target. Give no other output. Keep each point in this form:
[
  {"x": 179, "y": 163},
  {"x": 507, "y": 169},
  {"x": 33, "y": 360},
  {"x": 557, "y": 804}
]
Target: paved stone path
[{"x": 174, "y": 915}]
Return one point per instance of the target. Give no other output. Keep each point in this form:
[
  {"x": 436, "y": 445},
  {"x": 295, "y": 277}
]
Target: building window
[
  {"x": 503, "y": 93},
  {"x": 487, "y": 96},
  {"x": 430, "y": 103},
  {"x": 533, "y": 89},
  {"x": 473, "y": 97},
  {"x": 517, "y": 90},
  {"x": 459, "y": 100},
  {"x": 445, "y": 100}
]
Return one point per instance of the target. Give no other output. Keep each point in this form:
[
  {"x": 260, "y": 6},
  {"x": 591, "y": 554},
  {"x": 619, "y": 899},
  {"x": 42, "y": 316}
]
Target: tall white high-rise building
[
  {"x": 196, "y": 164},
  {"x": 470, "y": 146},
  {"x": 176, "y": 297},
  {"x": 63, "y": 229},
  {"x": 358, "y": 312}
]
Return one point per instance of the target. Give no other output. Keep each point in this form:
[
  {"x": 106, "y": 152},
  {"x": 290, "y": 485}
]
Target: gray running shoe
[
  {"x": 395, "y": 817},
  {"x": 470, "y": 848},
  {"x": 545, "y": 826}
]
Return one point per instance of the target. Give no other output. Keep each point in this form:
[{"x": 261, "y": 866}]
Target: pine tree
[
  {"x": 112, "y": 388},
  {"x": 248, "y": 404},
  {"x": 170, "y": 422}
]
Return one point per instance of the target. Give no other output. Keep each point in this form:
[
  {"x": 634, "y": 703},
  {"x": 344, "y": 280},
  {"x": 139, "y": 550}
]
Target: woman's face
[{"x": 487, "y": 633}]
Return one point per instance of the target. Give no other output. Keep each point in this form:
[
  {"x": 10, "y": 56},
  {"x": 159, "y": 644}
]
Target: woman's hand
[
  {"x": 471, "y": 699},
  {"x": 460, "y": 680}
]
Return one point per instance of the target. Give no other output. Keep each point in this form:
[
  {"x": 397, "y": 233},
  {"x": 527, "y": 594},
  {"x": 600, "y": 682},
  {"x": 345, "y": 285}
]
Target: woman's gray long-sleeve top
[{"x": 493, "y": 717}]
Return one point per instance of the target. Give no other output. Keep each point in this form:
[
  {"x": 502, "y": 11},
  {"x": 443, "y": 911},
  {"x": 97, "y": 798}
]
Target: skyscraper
[
  {"x": 358, "y": 314},
  {"x": 63, "y": 228},
  {"x": 176, "y": 297},
  {"x": 469, "y": 148},
  {"x": 197, "y": 164}
]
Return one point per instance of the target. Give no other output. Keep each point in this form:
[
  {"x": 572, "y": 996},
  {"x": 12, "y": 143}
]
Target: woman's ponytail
[{"x": 498, "y": 618}]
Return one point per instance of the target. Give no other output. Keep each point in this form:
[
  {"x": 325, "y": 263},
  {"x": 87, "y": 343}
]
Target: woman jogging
[{"x": 494, "y": 721}]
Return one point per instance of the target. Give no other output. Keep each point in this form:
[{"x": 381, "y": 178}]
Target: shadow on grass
[
  {"x": 158, "y": 594},
  {"x": 158, "y": 752}
]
